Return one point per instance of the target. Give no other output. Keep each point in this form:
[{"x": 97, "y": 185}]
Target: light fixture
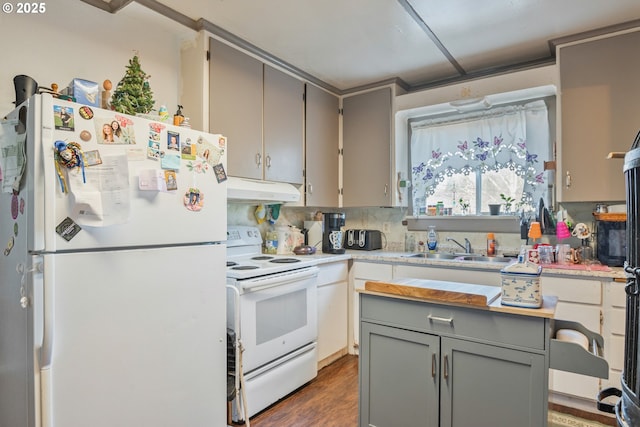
[{"x": 470, "y": 104}]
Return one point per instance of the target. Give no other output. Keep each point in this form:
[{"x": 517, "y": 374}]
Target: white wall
[{"x": 73, "y": 39}]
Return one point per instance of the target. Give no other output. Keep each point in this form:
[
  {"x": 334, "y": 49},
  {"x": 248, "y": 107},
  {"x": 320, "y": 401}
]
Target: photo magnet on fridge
[
  {"x": 221, "y": 175},
  {"x": 63, "y": 118}
]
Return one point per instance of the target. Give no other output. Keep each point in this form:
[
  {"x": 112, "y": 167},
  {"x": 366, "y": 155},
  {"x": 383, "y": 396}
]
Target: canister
[{"x": 521, "y": 285}]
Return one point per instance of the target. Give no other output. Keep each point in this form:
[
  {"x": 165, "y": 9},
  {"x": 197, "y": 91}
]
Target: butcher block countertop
[{"x": 455, "y": 293}]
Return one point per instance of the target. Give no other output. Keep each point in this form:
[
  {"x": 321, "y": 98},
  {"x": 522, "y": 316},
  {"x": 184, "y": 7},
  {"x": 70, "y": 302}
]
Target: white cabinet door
[
  {"x": 333, "y": 321},
  {"x": 363, "y": 271},
  {"x": 613, "y": 330}
]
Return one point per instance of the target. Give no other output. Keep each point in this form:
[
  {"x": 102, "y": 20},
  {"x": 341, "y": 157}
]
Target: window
[{"x": 471, "y": 160}]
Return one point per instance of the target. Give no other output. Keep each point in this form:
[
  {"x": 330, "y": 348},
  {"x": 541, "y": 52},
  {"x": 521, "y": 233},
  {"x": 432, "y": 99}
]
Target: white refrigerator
[{"x": 112, "y": 274}]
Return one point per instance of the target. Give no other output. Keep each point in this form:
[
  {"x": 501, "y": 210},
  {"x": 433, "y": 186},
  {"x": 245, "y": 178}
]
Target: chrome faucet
[{"x": 466, "y": 247}]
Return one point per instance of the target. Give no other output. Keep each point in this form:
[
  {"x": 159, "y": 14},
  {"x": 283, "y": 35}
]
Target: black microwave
[{"x": 611, "y": 242}]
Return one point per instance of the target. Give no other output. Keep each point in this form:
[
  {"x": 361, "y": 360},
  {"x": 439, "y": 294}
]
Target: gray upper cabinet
[
  {"x": 322, "y": 138},
  {"x": 367, "y": 145},
  {"x": 283, "y": 127},
  {"x": 261, "y": 112},
  {"x": 235, "y": 107},
  {"x": 600, "y": 113}
]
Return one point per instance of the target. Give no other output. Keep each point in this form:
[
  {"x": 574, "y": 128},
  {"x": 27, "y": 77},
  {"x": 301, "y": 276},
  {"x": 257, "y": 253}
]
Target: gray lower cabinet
[{"x": 431, "y": 365}]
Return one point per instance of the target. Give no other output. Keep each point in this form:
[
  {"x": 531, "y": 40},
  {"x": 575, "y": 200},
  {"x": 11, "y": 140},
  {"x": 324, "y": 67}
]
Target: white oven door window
[{"x": 277, "y": 320}]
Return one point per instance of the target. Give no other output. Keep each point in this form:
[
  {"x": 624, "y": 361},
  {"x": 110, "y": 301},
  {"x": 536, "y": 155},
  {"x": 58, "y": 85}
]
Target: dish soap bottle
[
  {"x": 432, "y": 238},
  {"x": 491, "y": 244}
]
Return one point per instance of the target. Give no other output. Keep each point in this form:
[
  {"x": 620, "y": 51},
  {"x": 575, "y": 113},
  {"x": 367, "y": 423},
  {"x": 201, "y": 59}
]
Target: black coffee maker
[{"x": 332, "y": 235}]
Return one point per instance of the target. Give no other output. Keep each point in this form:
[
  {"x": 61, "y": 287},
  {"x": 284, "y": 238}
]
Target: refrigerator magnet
[
  {"x": 86, "y": 112},
  {"x": 63, "y": 118},
  {"x": 85, "y": 135},
  {"x": 171, "y": 180},
  {"x": 14, "y": 206},
  {"x": 170, "y": 161},
  {"x": 221, "y": 175},
  {"x": 173, "y": 141},
  {"x": 68, "y": 229},
  {"x": 10, "y": 243},
  {"x": 193, "y": 199}
]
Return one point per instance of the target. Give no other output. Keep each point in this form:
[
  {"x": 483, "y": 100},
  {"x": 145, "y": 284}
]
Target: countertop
[
  {"x": 409, "y": 289},
  {"x": 382, "y": 256},
  {"x": 596, "y": 271}
]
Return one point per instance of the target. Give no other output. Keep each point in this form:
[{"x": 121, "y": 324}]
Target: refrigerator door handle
[{"x": 43, "y": 309}]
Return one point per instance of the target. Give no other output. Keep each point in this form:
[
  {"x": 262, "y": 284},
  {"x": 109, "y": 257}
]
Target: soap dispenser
[{"x": 432, "y": 238}]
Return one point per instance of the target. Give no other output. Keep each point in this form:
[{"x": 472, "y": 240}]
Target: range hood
[{"x": 251, "y": 190}]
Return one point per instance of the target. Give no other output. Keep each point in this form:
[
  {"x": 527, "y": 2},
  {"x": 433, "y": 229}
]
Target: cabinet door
[
  {"x": 367, "y": 149},
  {"x": 489, "y": 386},
  {"x": 283, "y": 133},
  {"x": 321, "y": 155},
  {"x": 332, "y": 319},
  {"x": 235, "y": 82},
  {"x": 599, "y": 106},
  {"x": 399, "y": 378},
  {"x": 363, "y": 271}
]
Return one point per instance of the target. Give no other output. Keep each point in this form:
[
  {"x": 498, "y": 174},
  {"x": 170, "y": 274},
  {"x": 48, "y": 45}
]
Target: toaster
[{"x": 365, "y": 240}]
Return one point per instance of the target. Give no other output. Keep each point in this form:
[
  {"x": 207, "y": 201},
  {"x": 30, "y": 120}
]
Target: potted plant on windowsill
[
  {"x": 508, "y": 202},
  {"x": 464, "y": 205}
]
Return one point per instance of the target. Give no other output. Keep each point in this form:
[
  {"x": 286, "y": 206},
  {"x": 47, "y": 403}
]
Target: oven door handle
[{"x": 279, "y": 279}]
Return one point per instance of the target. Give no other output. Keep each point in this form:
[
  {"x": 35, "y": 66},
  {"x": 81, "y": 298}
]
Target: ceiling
[{"x": 349, "y": 44}]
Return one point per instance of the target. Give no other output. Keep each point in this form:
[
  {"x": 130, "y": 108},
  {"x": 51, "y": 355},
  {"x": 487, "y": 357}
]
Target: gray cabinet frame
[{"x": 432, "y": 365}]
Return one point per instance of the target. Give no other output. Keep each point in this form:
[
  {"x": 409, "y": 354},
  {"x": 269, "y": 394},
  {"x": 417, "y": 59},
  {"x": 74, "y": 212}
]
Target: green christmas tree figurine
[{"x": 133, "y": 94}]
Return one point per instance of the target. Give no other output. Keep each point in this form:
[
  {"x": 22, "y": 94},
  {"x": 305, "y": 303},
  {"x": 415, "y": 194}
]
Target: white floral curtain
[{"x": 513, "y": 137}]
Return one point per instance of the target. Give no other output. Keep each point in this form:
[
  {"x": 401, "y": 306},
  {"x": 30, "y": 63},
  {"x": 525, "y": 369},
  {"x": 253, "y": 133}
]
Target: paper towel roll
[
  {"x": 573, "y": 336},
  {"x": 314, "y": 232}
]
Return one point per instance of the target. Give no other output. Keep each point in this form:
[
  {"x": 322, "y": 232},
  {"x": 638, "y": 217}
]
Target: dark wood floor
[{"x": 331, "y": 400}]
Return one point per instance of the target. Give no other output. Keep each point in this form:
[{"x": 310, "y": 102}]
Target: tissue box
[
  {"x": 84, "y": 91},
  {"x": 521, "y": 285}
]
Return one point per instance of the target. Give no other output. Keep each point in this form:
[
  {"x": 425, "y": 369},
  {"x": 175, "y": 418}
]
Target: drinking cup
[
  {"x": 563, "y": 253},
  {"x": 335, "y": 238},
  {"x": 545, "y": 254}
]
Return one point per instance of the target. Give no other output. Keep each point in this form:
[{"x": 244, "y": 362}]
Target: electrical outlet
[{"x": 386, "y": 227}]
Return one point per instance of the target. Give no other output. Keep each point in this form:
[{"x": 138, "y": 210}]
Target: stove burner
[
  {"x": 284, "y": 260},
  {"x": 262, "y": 258},
  {"x": 245, "y": 267},
  {"x": 231, "y": 263}
]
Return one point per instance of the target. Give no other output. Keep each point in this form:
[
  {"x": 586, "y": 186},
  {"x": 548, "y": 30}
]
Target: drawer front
[
  {"x": 373, "y": 271},
  {"x": 459, "y": 322},
  {"x": 332, "y": 273},
  {"x": 616, "y": 294},
  {"x": 573, "y": 290}
]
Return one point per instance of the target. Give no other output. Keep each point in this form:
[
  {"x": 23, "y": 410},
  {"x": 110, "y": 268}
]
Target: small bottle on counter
[
  {"x": 432, "y": 238},
  {"x": 491, "y": 244}
]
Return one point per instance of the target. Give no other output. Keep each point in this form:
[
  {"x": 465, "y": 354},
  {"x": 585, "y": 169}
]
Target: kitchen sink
[
  {"x": 463, "y": 257},
  {"x": 501, "y": 259},
  {"x": 434, "y": 256}
]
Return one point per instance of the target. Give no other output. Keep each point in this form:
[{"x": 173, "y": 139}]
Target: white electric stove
[{"x": 272, "y": 307}]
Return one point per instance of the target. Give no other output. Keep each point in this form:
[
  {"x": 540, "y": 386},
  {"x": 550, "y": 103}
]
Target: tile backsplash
[{"x": 395, "y": 235}]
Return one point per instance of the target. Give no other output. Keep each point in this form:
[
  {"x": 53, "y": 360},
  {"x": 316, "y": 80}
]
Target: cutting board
[{"x": 437, "y": 290}]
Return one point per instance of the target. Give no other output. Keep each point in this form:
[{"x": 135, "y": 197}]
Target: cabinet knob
[
  {"x": 258, "y": 159},
  {"x": 309, "y": 188},
  {"x": 267, "y": 161},
  {"x": 567, "y": 180}
]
